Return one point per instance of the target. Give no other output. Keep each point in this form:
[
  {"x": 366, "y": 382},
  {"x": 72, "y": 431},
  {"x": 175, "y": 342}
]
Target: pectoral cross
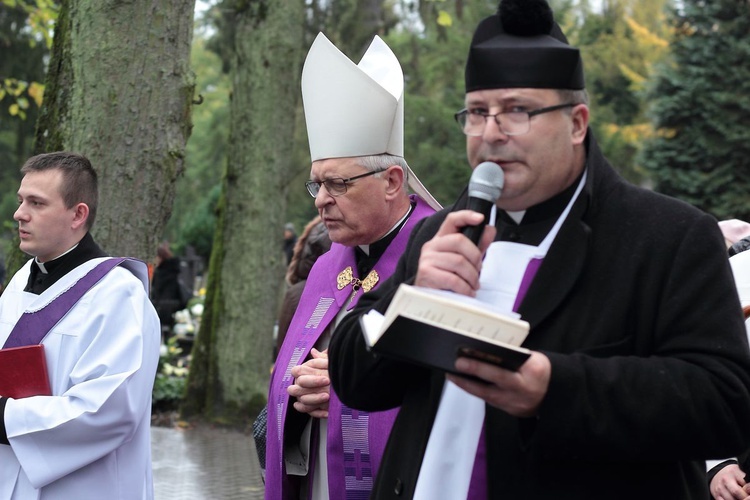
[{"x": 346, "y": 277}]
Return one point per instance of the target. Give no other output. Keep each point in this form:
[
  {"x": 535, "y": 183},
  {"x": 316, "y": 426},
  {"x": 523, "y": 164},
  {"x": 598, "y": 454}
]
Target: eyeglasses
[
  {"x": 335, "y": 186},
  {"x": 513, "y": 123}
]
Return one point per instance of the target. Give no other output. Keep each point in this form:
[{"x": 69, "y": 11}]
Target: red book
[{"x": 23, "y": 372}]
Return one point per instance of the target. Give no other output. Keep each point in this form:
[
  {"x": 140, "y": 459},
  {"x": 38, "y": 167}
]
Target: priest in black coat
[{"x": 640, "y": 369}]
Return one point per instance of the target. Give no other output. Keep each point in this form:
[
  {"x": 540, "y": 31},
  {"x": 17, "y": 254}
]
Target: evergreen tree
[
  {"x": 701, "y": 109},
  {"x": 620, "y": 44}
]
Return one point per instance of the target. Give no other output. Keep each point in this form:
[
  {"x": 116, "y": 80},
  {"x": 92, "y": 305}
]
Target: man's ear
[
  {"x": 395, "y": 177},
  {"x": 80, "y": 215},
  {"x": 580, "y": 118}
]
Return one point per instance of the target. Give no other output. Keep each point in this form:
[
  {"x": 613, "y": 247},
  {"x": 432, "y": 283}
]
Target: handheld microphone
[{"x": 485, "y": 186}]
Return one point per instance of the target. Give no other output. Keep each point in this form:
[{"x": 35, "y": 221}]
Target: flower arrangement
[
  {"x": 174, "y": 361},
  {"x": 171, "y": 376}
]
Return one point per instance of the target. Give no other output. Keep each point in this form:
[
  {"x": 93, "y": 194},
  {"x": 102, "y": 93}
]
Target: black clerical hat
[{"x": 521, "y": 46}]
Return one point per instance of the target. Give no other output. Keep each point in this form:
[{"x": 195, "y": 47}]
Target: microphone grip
[{"x": 474, "y": 233}]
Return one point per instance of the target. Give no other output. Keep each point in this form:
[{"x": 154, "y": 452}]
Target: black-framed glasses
[
  {"x": 511, "y": 123},
  {"x": 336, "y": 186}
]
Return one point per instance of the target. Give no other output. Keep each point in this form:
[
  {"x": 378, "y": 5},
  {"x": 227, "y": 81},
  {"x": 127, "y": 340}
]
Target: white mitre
[{"x": 355, "y": 110}]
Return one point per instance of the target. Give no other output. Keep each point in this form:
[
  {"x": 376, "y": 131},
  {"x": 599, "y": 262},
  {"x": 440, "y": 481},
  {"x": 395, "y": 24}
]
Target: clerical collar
[
  {"x": 530, "y": 227},
  {"x": 47, "y": 267},
  {"x": 548, "y": 209},
  {"x": 392, "y": 232},
  {"x": 368, "y": 255},
  {"x": 85, "y": 250},
  {"x": 516, "y": 216}
]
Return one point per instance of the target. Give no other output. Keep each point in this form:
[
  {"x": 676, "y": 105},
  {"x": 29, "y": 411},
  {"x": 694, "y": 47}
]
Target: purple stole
[
  {"x": 478, "y": 484},
  {"x": 356, "y": 439},
  {"x": 33, "y": 326}
]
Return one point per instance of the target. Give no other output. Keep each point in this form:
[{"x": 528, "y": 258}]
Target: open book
[{"x": 433, "y": 327}]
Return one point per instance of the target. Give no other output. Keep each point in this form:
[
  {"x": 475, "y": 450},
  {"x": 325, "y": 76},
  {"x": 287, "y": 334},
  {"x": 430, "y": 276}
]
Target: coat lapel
[{"x": 562, "y": 265}]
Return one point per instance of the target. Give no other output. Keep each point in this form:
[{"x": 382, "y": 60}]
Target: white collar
[{"x": 41, "y": 264}]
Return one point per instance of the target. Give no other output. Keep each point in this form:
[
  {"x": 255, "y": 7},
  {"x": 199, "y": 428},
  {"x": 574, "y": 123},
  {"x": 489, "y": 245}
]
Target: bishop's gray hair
[{"x": 382, "y": 162}]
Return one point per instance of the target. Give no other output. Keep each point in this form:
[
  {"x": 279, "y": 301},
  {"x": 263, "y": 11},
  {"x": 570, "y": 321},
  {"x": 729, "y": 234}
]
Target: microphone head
[{"x": 486, "y": 181}]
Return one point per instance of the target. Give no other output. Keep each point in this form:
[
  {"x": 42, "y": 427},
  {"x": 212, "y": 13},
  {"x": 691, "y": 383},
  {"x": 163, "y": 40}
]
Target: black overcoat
[{"x": 636, "y": 308}]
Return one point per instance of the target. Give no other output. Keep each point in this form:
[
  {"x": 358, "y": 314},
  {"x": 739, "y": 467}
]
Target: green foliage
[
  {"x": 168, "y": 390},
  {"x": 23, "y": 24},
  {"x": 435, "y": 147},
  {"x": 41, "y": 16},
  {"x": 21, "y": 66},
  {"x": 620, "y": 44},
  {"x": 701, "y": 106},
  {"x": 351, "y": 24},
  {"x": 433, "y": 54},
  {"x": 199, "y": 224}
]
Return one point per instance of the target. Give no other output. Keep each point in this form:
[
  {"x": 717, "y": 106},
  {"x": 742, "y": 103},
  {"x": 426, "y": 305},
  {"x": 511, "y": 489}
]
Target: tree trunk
[
  {"x": 229, "y": 373},
  {"x": 119, "y": 91}
]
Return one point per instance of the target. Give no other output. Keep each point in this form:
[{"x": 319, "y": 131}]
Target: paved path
[{"x": 204, "y": 463}]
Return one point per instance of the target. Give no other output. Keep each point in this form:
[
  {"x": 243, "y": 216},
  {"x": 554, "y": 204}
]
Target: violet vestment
[{"x": 356, "y": 439}]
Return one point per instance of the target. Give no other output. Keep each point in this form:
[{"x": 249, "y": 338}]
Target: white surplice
[{"x": 91, "y": 438}]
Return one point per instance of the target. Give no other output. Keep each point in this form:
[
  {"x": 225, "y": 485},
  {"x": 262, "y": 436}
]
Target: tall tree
[
  {"x": 119, "y": 90},
  {"x": 229, "y": 372},
  {"x": 701, "y": 110}
]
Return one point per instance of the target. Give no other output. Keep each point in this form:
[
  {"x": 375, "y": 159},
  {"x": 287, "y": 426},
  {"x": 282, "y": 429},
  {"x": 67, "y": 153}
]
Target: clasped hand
[
  {"x": 450, "y": 261},
  {"x": 312, "y": 386}
]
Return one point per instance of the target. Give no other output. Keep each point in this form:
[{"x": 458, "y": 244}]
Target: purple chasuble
[
  {"x": 356, "y": 439},
  {"x": 478, "y": 485}
]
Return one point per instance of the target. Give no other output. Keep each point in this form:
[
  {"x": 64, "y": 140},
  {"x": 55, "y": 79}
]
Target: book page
[
  {"x": 471, "y": 301},
  {"x": 472, "y": 317},
  {"x": 485, "y": 328}
]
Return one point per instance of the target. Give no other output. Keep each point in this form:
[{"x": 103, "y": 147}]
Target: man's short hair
[
  {"x": 79, "y": 180},
  {"x": 382, "y": 162},
  {"x": 574, "y": 96}
]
